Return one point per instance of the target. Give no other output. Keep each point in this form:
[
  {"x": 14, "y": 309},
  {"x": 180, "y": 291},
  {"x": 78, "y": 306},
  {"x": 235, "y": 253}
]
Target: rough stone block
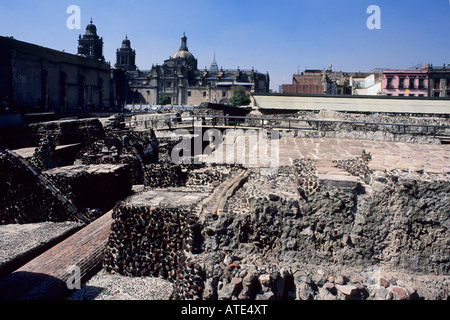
[
  {"x": 341, "y": 181},
  {"x": 92, "y": 186}
]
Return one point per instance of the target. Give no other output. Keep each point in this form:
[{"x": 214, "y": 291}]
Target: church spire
[
  {"x": 214, "y": 66},
  {"x": 184, "y": 43}
]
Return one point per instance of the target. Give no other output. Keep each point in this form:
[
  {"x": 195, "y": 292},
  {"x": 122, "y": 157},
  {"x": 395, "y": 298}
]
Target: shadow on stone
[{"x": 32, "y": 286}]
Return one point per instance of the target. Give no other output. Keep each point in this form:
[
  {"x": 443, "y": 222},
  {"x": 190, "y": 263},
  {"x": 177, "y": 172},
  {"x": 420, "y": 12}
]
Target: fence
[{"x": 236, "y": 122}]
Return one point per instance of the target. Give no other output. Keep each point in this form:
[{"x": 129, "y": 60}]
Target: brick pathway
[
  {"x": 46, "y": 277},
  {"x": 385, "y": 155}
]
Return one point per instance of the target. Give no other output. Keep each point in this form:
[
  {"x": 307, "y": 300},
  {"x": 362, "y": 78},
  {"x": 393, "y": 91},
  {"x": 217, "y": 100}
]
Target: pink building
[{"x": 405, "y": 83}]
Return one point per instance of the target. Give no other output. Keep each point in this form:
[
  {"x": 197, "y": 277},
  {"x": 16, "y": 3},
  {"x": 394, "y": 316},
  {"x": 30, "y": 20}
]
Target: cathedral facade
[{"x": 180, "y": 80}]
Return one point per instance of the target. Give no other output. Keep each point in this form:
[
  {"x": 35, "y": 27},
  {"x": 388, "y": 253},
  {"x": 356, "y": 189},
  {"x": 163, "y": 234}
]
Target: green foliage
[
  {"x": 163, "y": 100},
  {"x": 240, "y": 98}
]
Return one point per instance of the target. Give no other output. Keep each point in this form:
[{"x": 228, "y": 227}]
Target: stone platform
[
  {"x": 47, "y": 276},
  {"x": 21, "y": 243},
  {"x": 434, "y": 159}
]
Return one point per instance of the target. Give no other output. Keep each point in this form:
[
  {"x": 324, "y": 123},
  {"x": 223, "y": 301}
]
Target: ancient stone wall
[
  {"x": 92, "y": 186},
  {"x": 23, "y": 199},
  {"x": 158, "y": 175},
  {"x": 32, "y": 196},
  {"x": 152, "y": 239},
  {"x": 136, "y": 149},
  {"x": 270, "y": 244},
  {"x": 67, "y": 131}
]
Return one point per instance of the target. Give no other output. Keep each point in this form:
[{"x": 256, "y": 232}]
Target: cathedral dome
[
  {"x": 126, "y": 43},
  {"x": 91, "y": 29},
  {"x": 183, "y": 54}
]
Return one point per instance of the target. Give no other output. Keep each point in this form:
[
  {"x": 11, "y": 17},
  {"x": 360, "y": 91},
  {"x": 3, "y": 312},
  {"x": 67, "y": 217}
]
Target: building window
[
  {"x": 224, "y": 94},
  {"x": 421, "y": 95},
  {"x": 421, "y": 83},
  {"x": 401, "y": 95},
  {"x": 412, "y": 83},
  {"x": 437, "y": 94},
  {"x": 169, "y": 84},
  {"x": 204, "y": 93},
  {"x": 437, "y": 84},
  {"x": 189, "y": 93},
  {"x": 389, "y": 84},
  {"x": 401, "y": 83}
]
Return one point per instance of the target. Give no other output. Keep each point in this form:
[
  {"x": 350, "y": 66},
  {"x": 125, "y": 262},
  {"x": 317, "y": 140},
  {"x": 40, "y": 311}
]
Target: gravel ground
[
  {"x": 104, "y": 286},
  {"x": 16, "y": 240}
]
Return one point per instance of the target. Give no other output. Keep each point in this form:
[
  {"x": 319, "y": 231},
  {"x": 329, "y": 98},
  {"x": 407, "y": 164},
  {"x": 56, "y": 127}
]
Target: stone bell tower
[
  {"x": 126, "y": 57},
  {"x": 90, "y": 45}
]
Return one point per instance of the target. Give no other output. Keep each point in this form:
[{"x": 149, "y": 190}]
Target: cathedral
[{"x": 180, "y": 81}]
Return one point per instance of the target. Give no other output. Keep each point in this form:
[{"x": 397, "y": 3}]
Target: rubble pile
[
  {"x": 44, "y": 156},
  {"x": 231, "y": 277}
]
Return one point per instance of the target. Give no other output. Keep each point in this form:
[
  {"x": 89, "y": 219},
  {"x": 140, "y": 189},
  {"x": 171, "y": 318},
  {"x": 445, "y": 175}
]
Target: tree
[
  {"x": 163, "y": 100},
  {"x": 239, "y": 98}
]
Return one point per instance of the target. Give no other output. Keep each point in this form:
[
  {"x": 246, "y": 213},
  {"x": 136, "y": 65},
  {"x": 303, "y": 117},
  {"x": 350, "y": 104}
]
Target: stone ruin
[
  {"x": 278, "y": 239},
  {"x": 280, "y": 234}
]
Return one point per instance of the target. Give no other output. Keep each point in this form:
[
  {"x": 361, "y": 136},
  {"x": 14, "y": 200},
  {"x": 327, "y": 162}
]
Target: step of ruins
[
  {"x": 53, "y": 275},
  {"x": 338, "y": 180}
]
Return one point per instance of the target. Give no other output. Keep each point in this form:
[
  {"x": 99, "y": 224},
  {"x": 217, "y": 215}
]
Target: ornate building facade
[{"x": 180, "y": 80}]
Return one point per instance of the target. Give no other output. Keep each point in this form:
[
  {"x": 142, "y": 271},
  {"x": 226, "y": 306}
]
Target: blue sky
[{"x": 280, "y": 37}]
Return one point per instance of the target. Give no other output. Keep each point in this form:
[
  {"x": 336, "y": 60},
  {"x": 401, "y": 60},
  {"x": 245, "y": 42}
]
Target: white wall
[{"x": 355, "y": 103}]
